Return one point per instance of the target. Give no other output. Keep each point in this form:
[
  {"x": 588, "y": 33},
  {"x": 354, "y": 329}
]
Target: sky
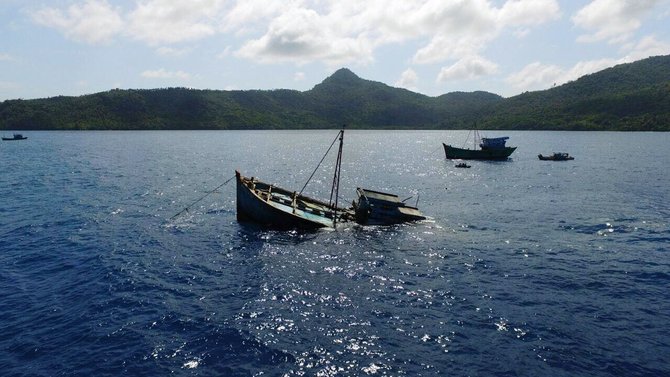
[{"x": 75, "y": 47}]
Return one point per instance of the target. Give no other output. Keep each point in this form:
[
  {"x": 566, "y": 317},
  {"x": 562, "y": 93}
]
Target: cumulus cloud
[
  {"x": 339, "y": 32},
  {"x": 529, "y": 12},
  {"x": 536, "y": 76},
  {"x": 299, "y": 76},
  {"x": 612, "y": 20},
  {"x": 247, "y": 14},
  {"x": 172, "y": 21},
  {"x": 94, "y": 21},
  {"x": 647, "y": 46},
  {"x": 467, "y": 68},
  {"x": 170, "y": 51},
  {"x": 165, "y": 74},
  {"x": 8, "y": 85},
  {"x": 462, "y": 30},
  {"x": 301, "y": 31},
  {"x": 408, "y": 79},
  {"x": 303, "y": 35}
]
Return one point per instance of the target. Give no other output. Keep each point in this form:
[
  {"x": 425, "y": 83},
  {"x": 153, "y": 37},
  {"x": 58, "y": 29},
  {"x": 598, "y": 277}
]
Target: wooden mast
[{"x": 335, "y": 188}]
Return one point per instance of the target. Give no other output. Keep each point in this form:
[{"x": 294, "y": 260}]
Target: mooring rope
[{"x": 203, "y": 197}]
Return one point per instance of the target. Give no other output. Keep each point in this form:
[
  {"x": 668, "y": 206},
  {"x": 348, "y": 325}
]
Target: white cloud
[
  {"x": 467, "y": 68},
  {"x": 164, "y": 74},
  {"x": 537, "y": 76},
  {"x": 465, "y": 28},
  {"x": 6, "y": 57},
  {"x": 299, "y": 76},
  {"x": 246, "y": 14},
  {"x": 301, "y": 36},
  {"x": 8, "y": 85},
  {"x": 340, "y": 32},
  {"x": 648, "y": 46},
  {"x": 225, "y": 53},
  {"x": 174, "y": 21},
  {"x": 170, "y": 51},
  {"x": 612, "y": 20},
  {"x": 300, "y": 31},
  {"x": 94, "y": 21},
  {"x": 408, "y": 79},
  {"x": 528, "y": 12}
]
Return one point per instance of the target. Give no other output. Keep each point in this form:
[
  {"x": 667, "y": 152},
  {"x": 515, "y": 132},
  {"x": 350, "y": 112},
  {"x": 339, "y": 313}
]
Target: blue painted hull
[
  {"x": 274, "y": 208},
  {"x": 478, "y": 154}
]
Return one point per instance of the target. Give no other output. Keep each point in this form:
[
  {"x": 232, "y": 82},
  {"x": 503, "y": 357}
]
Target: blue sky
[{"x": 75, "y": 47}]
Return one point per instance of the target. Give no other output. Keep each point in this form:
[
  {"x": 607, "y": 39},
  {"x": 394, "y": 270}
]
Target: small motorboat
[
  {"x": 462, "y": 165},
  {"x": 15, "y": 137},
  {"x": 558, "y": 156}
]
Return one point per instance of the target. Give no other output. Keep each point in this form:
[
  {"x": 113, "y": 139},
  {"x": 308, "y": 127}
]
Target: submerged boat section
[{"x": 380, "y": 208}]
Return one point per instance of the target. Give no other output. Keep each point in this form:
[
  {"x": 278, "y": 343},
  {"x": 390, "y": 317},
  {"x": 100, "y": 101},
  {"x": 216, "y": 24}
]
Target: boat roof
[{"x": 378, "y": 195}]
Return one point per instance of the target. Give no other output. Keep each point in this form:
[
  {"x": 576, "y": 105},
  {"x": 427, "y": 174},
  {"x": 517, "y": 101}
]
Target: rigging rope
[
  {"x": 317, "y": 166},
  {"x": 203, "y": 197}
]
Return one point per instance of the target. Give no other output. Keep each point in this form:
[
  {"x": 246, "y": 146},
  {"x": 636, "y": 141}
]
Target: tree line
[{"x": 627, "y": 97}]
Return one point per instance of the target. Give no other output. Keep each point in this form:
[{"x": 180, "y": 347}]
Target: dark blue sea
[{"x": 524, "y": 268}]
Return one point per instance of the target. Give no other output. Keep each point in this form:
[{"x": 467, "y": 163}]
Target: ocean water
[{"x": 524, "y": 268}]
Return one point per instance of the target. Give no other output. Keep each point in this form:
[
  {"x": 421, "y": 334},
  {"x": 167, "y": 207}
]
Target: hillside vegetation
[{"x": 633, "y": 96}]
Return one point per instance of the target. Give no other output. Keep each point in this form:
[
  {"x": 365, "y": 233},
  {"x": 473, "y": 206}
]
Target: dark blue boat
[
  {"x": 489, "y": 149},
  {"x": 15, "y": 137},
  {"x": 558, "y": 156}
]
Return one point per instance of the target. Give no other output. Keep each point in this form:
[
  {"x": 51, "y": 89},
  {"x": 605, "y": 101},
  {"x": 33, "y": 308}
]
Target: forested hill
[{"x": 633, "y": 96}]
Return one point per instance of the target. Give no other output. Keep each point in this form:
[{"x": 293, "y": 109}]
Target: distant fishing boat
[
  {"x": 557, "y": 156},
  {"x": 462, "y": 165},
  {"x": 15, "y": 137},
  {"x": 489, "y": 149}
]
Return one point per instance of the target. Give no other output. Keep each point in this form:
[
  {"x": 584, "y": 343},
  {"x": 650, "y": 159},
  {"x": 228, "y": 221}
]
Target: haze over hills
[{"x": 634, "y": 96}]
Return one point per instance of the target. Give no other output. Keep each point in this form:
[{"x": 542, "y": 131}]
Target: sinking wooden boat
[
  {"x": 380, "y": 208},
  {"x": 557, "y": 156},
  {"x": 15, "y": 137},
  {"x": 489, "y": 149},
  {"x": 277, "y": 208}
]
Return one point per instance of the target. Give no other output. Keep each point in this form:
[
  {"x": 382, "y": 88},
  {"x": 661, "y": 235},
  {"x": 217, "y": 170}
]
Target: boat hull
[
  {"x": 478, "y": 154},
  {"x": 275, "y": 214},
  {"x": 14, "y": 138},
  {"x": 553, "y": 158}
]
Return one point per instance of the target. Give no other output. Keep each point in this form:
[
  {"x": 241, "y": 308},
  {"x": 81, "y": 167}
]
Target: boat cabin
[{"x": 380, "y": 208}]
